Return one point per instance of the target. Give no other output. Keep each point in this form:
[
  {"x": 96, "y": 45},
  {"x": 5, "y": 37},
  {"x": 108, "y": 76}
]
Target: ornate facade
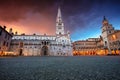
[
  {"x": 110, "y": 37},
  {"x": 114, "y": 42},
  {"x": 5, "y": 39},
  {"x": 40, "y": 45},
  {"x": 86, "y": 47},
  {"x": 107, "y": 44}
]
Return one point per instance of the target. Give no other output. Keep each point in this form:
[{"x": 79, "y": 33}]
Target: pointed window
[
  {"x": 59, "y": 24},
  {"x": 59, "y": 32}
]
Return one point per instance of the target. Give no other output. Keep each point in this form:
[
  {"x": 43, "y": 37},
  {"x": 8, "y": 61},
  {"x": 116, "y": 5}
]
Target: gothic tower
[
  {"x": 106, "y": 30},
  {"x": 59, "y": 23}
]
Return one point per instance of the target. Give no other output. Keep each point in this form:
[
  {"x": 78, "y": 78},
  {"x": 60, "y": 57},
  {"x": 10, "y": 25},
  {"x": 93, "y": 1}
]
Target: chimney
[
  {"x": 4, "y": 27},
  {"x": 10, "y": 31},
  {"x": 34, "y": 34},
  {"x": 16, "y": 33}
]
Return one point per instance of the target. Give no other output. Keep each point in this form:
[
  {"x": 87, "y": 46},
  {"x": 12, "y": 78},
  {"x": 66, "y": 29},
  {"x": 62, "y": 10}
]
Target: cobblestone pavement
[{"x": 60, "y": 68}]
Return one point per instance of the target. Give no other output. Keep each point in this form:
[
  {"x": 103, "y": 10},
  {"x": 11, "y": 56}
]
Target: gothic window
[
  {"x": 7, "y": 44},
  {"x": 44, "y": 43},
  {"x": 6, "y": 35},
  {"x": 63, "y": 46},
  {"x": 21, "y": 44},
  {"x": 4, "y": 43},
  {"x": 59, "y": 32},
  {"x": 47, "y": 43},
  {"x": 109, "y": 31},
  {"x": 105, "y": 42},
  {"x": 59, "y": 24}
]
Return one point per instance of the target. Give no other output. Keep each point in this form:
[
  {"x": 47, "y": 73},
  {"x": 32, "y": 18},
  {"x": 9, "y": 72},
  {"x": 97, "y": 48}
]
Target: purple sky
[{"x": 83, "y": 18}]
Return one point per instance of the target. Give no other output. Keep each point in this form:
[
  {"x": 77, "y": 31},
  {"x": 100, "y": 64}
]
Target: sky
[{"x": 83, "y": 18}]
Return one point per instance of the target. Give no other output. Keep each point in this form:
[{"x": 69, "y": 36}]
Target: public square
[{"x": 60, "y": 68}]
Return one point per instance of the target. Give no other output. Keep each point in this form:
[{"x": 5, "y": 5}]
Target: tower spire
[
  {"x": 59, "y": 16},
  {"x": 59, "y": 23},
  {"x": 104, "y": 18},
  {"x": 105, "y": 21}
]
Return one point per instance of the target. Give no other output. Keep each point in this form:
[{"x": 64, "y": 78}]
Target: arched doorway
[
  {"x": 44, "y": 51},
  {"x": 20, "y": 52},
  {"x": 21, "y": 48}
]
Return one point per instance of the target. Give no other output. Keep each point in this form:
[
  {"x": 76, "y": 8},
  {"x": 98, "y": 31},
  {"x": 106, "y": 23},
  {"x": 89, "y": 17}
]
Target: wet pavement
[{"x": 60, "y": 68}]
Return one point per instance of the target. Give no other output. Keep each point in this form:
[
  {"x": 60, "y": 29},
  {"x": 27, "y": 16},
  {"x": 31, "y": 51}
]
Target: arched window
[
  {"x": 105, "y": 42},
  {"x": 21, "y": 44},
  {"x": 59, "y": 32}
]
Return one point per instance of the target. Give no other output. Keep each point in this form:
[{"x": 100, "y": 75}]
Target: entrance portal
[
  {"x": 20, "y": 52},
  {"x": 44, "y": 51}
]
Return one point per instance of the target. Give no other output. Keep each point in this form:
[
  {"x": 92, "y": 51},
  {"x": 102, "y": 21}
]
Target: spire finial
[
  {"x": 59, "y": 16},
  {"x": 104, "y": 18},
  {"x": 105, "y": 21},
  {"x": 59, "y": 12}
]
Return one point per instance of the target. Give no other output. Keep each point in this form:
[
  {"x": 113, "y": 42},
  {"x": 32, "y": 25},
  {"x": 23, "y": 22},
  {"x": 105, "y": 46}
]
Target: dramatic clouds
[
  {"x": 82, "y": 17},
  {"x": 13, "y": 10}
]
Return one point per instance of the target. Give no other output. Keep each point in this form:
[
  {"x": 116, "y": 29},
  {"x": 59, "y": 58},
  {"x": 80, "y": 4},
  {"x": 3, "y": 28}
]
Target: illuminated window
[{"x": 114, "y": 37}]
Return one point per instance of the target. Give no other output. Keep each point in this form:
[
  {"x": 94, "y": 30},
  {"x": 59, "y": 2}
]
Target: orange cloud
[{"x": 34, "y": 23}]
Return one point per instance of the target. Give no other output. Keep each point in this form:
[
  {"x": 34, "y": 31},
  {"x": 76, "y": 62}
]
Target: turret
[
  {"x": 16, "y": 33},
  {"x": 105, "y": 21},
  {"x": 10, "y": 31}
]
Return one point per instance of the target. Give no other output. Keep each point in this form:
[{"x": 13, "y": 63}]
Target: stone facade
[
  {"x": 108, "y": 43},
  {"x": 107, "y": 29},
  {"x": 114, "y": 42},
  {"x": 5, "y": 39},
  {"x": 39, "y": 45},
  {"x": 110, "y": 37},
  {"x": 85, "y": 47}
]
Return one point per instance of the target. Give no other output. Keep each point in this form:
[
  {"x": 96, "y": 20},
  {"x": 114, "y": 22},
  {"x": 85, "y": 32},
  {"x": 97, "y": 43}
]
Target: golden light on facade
[{"x": 114, "y": 37}]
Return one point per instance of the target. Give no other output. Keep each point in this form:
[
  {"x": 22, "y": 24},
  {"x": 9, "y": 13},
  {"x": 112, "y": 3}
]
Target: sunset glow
[{"x": 34, "y": 16}]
